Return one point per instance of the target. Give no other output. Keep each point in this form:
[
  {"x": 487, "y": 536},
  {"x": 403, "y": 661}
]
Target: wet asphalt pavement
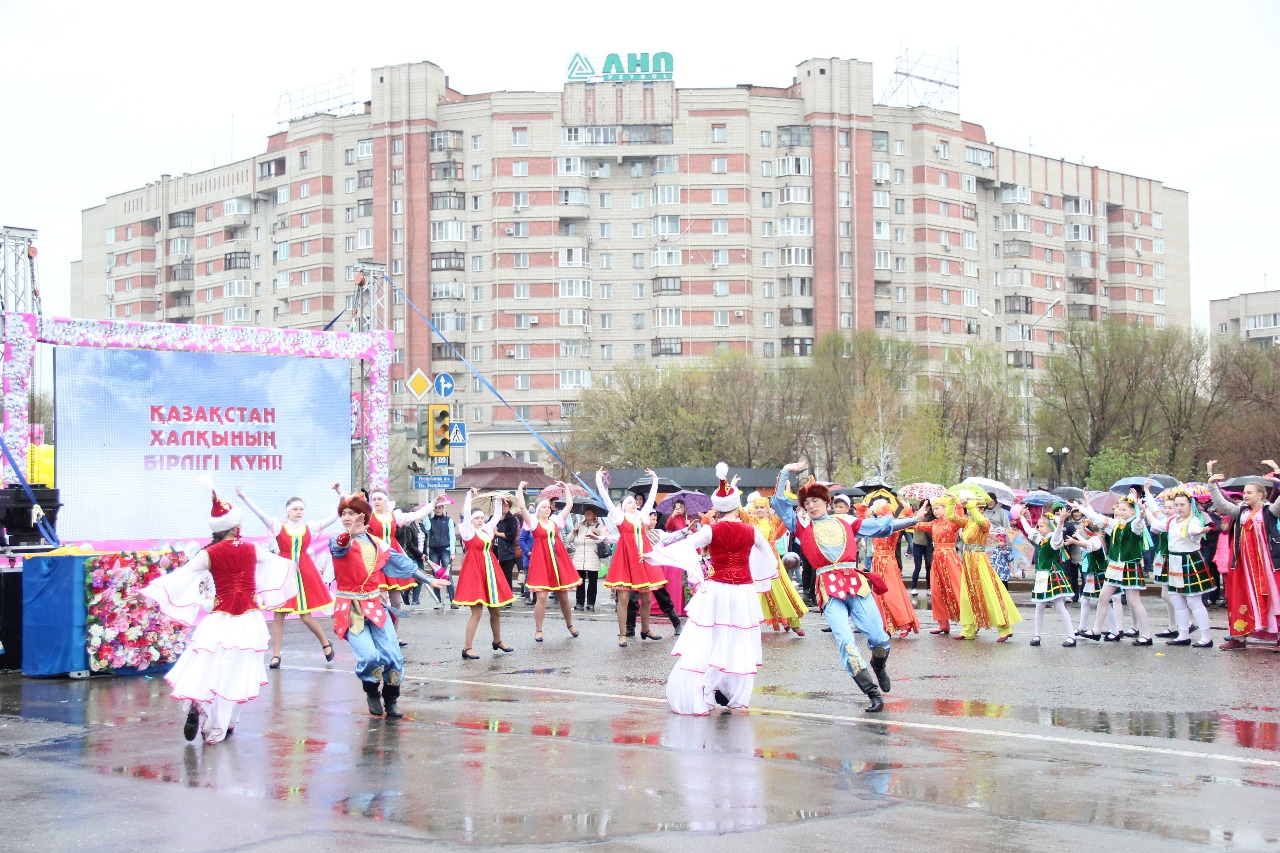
[{"x": 981, "y": 747}]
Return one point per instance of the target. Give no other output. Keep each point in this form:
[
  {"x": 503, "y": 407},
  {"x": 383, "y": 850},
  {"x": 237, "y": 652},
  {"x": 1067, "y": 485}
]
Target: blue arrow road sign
[
  {"x": 443, "y": 385},
  {"x": 457, "y": 435}
]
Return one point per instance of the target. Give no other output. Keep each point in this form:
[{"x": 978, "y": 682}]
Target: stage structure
[{"x": 371, "y": 349}]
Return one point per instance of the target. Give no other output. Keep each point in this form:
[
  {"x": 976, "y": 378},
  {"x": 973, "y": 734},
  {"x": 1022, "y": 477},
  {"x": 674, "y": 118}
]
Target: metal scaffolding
[
  {"x": 925, "y": 80},
  {"x": 370, "y": 312},
  {"x": 21, "y": 291}
]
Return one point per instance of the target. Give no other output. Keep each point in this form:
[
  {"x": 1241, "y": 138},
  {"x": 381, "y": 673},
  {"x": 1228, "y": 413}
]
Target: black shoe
[
  {"x": 722, "y": 699},
  {"x": 1089, "y": 635},
  {"x": 1142, "y": 641},
  {"x": 1165, "y": 635},
  {"x": 502, "y": 647},
  {"x": 591, "y": 608},
  {"x": 1111, "y": 637},
  {"x": 649, "y": 635},
  {"x": 677, "y": 629},
  {"x": 1132, "y": 632},
  {"x": 467, "y": 654},
  {"x": 578, "y": 608},
  {"x": 375, "y": 699},
  {"x": 1185, "y": 642},
  {"x": 1203, "y": 644},
  {"x": 391, "y": 695},
  {"x": 192, "y": 725},
  {"x": 403, "y": 644},
  {"x": 827, "y": 630},
  {"x": 868, "y": 686},
  {"x": 879, "y": 665},
  {"x": 1069, "y": 643},
  {"x": 631, "y": 633},
  {"x": 1035, "y": 641}
]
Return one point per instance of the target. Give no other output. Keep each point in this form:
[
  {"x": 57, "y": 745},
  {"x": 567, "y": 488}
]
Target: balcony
[
  {"x": 450, "y": 170},
  {"x": 1082, "y": 312},
  {"x": 181, "y": 272},
  {"x": 1017, "y": 249},
  {"x": 882, "y": 276},
  {"x": 1083, "y": 288},
  {"x": 883, "y": 291},
  {"x": 184, "y": 219},
  {"x": 236, "y": 261},
  {"x": 666, "y": 346}
]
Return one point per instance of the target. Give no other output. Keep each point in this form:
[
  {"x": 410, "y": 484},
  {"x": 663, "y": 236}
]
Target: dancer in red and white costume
[
  {"x": 550, "y": 566},
  {"x": 481, "y": 583},
  {"x": 719, "y": 649},
  {"x": 628, "y": 573},
  {"x": 293, "y": 538},
  {"x": 221, "y": 668}
]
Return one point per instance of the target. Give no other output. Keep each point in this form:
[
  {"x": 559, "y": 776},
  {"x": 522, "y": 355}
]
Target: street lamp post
[
  {"x": 1026, "y": 389},
  {"x": 1058, "y": 457}
]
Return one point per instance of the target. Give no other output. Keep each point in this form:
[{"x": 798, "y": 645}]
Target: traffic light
[{"x": 440, "y": 425}]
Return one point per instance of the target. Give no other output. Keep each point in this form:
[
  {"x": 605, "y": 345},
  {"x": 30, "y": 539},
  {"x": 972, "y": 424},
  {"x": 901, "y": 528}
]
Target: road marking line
[{"x": 857, "y": 721}]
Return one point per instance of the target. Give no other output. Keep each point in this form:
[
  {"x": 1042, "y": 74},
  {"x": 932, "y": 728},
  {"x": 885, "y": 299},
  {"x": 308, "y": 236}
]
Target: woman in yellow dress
[
  {"x": 782, "y": 604},
  {"x": 984, "y": 601}
]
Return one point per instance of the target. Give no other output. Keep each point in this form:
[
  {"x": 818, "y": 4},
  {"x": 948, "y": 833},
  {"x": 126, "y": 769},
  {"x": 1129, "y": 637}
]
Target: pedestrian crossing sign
[{"x": 458, "y": 435}]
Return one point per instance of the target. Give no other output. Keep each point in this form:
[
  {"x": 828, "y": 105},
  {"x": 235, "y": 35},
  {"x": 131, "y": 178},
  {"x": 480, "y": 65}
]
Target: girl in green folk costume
[
  {"x": 1093, "y": 571},
  {"x": 1051, "y": 582},
  {"x": 1124, "y": 546},
  {"x": 1187, "y": 575}
]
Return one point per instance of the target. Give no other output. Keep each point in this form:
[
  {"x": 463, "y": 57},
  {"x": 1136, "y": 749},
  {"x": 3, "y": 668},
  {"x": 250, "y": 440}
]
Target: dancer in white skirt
[
  {"x": 222, "y": 666},
  {"x": 719, "y": 649}
]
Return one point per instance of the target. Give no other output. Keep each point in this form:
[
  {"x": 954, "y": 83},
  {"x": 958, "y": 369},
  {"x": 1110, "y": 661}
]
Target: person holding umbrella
[
  {"x": 628, "y": 572},
  {"x": 591, "y": 548},
  {"x": 550, "y": 566}
]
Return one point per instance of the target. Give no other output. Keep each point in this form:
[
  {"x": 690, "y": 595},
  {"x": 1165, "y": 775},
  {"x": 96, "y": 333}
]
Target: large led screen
[{"x": 137, "y": 428}]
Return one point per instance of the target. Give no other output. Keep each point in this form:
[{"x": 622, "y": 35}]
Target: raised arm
[
  {"x": 653, "y": 493},
  {"x": 527, "y": 517},
  {"x": 955, "y": 513},
  {"x": 272, "y": 524},
  {"x": 465, "y": 529},
  {"x": 1156, "y": 519},
  {"x": 615, "y": 514},
  {"x": 568, "y": 506},
  {"x": 1099, "y": 520},
  {"x": 418, "y": 514},
  {"x": 1032, "y": 533},
  {"x": 781, "y": 506},
  {"x": 976, "y": 516},
  {"x": 317, "y": 526},
  {"x": 886, "y": 525}
]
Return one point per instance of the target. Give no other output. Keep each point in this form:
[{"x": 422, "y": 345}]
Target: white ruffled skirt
[
  {"x": 718, "y": 649},
  {"x": 222, "y": 668}
]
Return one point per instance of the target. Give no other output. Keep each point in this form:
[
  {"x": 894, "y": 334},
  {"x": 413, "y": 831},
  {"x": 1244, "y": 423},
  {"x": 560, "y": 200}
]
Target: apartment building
[
  {"x": 554, "y": 236},
  {"x": 1250, "y": 317}
]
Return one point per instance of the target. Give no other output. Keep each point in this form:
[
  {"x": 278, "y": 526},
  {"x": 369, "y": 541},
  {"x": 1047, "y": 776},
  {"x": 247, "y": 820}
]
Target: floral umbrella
[
  {"x": 555, "y": 492},
  {"x": 922, "y": 491}
]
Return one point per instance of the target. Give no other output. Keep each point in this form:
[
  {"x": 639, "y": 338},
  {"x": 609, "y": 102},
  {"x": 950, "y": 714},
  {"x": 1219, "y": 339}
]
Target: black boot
[
  {"x": 868, "y": 686},
  {"x": 371, "y": 693},
  {"x": 722, "y": 699},
  {"x": 390, "y": 694},
  {"x": 879, "y": 663}
]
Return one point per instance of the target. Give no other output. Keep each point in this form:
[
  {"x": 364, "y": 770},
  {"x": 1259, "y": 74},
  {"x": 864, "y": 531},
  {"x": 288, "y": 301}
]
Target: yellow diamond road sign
[{"x": 419, "y": 384}]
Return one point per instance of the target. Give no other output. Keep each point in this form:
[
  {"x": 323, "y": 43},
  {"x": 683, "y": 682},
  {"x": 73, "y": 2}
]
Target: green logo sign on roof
[{"x": 638, "y": 66}]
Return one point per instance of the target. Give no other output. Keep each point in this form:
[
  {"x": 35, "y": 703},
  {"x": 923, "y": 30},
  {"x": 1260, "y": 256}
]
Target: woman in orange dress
[
  {"x": 945, "y": 572},
  {"x": 984, "y": 601},
  {"x": 895, "y": 604}
]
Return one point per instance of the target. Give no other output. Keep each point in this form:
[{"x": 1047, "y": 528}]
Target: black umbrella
[
  {"x": 1071, "y": 493},
  {"x": 642, "y": 486},
  {"x": 871, "y": 484},
  {"x": 849, "y": 492},
  {"x": 1238, "y": 483},
  {"x": 580, "y": 504}
]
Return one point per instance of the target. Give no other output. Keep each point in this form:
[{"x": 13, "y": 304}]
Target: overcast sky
[{"x": 107, "y": 97}]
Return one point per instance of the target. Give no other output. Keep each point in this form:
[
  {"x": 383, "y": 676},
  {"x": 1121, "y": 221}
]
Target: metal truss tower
[{"x": 925, "y": 80}]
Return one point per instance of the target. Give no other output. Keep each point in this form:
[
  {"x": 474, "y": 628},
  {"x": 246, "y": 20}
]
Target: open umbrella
[
  {"x": 694, "y": 502},
  {"x": 1199, "y": 491},
  {"x": 1003, "y": 493},
  {"x": 642, "y": 485},
  {"x": 1123, "y": 486},
  {"x": 922, "y": 491},
  {"x": 1104, "y": 502},
  {"x": 1070, "y": 493},
  {"x": 581, "y": 504},
  {"x": 484, "y": 501},
  {"x": 1238, "y": 483},
  {"x": 968, "y": 491},
  {"x": 553, "y": 492},
  {"x": 1040, "y": 497},
  {"x": 872, "y": 483},
  {"x": 882, "y": 494}
]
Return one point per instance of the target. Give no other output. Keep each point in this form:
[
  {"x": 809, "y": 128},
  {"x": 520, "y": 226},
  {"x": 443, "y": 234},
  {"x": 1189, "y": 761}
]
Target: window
[
  {"x": 1159, "y": 271},
  {"x": 1157, "y": 245},
  {"x": 793, "y": 166},
  {"x": 606, "y": 321},
  {"x": 720, "y": 287},
  {"x": 637, "y": 290},
  {"x": 477, "y": 263},
  {"x": 605, "y": 201},
  {"x": 522, "y": 321},
  {"x": 766, "y": 168},
  {"x": 364, "y": 149},
  {"x": 766, "y": 259},
  {"x": 901, "y": 324},
  {"x": 842, "y": 139},
  {"x": 1016, "y": 222},
  {"x": 520, "y": 136},
  {"x": 766, "y": 199},
  {"x": 882, "y": 259},
  {"x": 899, "y": 264},
  {"x": 520, "y": 290},
  {"x": 637, "y": 228},
  {"x": 846, "y": 169},
  {"x": 899, "y": 205},
  {"x": 519, "y": 168},
  {"x": 364, "y": 238},
  {"x": 397, "y": 236},
  {"x": 969, "y": 183},
  {"x": 1157, "y": 220},
  {"x": 846, "y": 259},
  {"x": 767, "y": 319},
  {"x": 350, "y": 185},
  {"x": 637, "y": 260},
  {"x": 880, "y": 229},
  {"x": 900, "y": 294},
  {"x": 944, "y": 179},
  {"x": 943, "y": 150},
  {"x": 797, "y": 256},
  {"x": 899, "y": 176},
  {"x": 846, "y": 228},
  {"x": 637, "y": 321},
  {"x": 664, "y": 318},
  {"x": 766, "y": 139},
  {"x": 720, "y": 318},
  {"x": 719, "y": 226},
  {"x": 719, "y": 165},
  {"x": 282, "y": 195},
  {"x": 719, "y": 133},
  {"x": 879, "y": 198},
  {"x": 845, "y": 198},
  {"x": 522, "y": 382},
  {"x": 970, "y": 297},
  {"x": 719, "y": 257},
  {"x": 666, "y": 165},
  {"x": 766, "y": 290}
]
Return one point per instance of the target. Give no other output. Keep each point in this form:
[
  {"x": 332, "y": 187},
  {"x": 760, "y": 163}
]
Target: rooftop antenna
[
  {"x": 334, "y": 97},
  {"x": 925, "y": 80}
]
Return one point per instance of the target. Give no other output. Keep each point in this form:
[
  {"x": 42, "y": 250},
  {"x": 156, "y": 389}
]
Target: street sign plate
[
  {"x": 443, "y": 386},
  {"x": 458, "y": 435},
  {"x": 442, "y": 482},
  {"x": 418, "y": 384},
  {"x": 442, "y": 461}
]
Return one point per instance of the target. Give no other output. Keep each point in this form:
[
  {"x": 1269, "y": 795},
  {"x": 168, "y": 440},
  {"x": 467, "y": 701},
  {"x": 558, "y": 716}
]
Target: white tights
[
  {"x": 1171, "y": 609},
  {"x": 1186, "y": 607},
  {"x": 1061, "y": 607},
  {"x": 1135, "y": 606},
  {"x": 1086, "y": 603}
]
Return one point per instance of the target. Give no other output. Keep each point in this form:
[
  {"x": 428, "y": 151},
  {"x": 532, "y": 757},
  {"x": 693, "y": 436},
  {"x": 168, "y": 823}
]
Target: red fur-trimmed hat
[
  {"x": 222, "y": 516},
  {"x": 725, "y": 498},
  {"x": 813, "y": 489}
]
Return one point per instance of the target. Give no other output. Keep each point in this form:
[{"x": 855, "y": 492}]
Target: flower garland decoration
[{"x": 124, "y": 633}]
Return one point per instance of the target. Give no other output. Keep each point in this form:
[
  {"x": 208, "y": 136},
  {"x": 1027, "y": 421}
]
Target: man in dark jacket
[
  {"x": 411, "y": 539},
  {"x": 504, "y": 542}
]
